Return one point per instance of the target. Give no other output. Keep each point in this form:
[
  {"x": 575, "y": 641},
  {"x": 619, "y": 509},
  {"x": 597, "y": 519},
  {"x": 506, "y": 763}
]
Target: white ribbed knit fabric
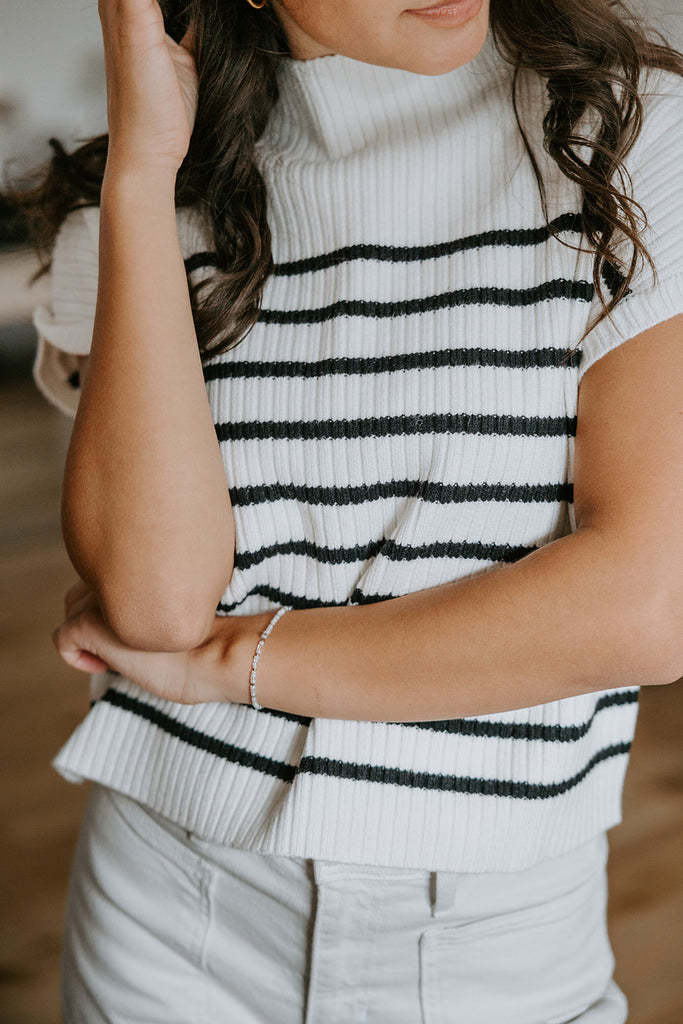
[{"x": 402, "y": 415}]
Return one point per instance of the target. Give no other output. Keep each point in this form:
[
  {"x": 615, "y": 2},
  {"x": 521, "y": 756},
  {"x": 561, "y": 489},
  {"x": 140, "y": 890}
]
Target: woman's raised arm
[{"x": 146, "y": 510}]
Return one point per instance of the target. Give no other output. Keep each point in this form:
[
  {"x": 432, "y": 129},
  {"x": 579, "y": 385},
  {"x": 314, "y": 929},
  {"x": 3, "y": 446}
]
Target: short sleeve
[
  {"x": 65, "y": 328},
  {"x": 655, "y": 165}
]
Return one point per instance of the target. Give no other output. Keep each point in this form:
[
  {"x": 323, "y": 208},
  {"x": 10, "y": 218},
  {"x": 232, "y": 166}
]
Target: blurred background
[{"x": 52, "y": 84}]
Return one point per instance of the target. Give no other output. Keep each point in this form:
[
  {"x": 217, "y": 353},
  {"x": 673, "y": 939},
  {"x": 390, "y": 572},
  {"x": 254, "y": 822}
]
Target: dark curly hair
[{"x": 591, "y": 54}]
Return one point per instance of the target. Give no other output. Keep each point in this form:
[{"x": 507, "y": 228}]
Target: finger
[
  {"x": 188, "y": 40},
  {"x": 74, "y": 594},
  {"x": 86, "y": 662},
  {"x": 128, "y": 12},
  {"x": 85, "y": 642},
  {"x": 89, "y": 602},
  {"x": 129, "y": 25},
  {"x": 81, "y": 660},
  {"x": 79, "y": 642},
  {"x": 180, "y": 53}
]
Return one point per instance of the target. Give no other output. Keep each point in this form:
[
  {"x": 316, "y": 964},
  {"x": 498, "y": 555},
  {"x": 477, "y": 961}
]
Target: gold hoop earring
[{"x": 257, "y": 7}]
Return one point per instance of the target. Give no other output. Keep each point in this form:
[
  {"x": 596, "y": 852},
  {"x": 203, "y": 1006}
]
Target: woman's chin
[{"x": 433, "y": 49}]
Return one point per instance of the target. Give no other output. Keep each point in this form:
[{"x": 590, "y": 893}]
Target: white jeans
[{"x": 164, "y": 928}]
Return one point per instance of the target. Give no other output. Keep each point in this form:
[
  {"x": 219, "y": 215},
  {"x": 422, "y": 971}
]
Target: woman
[{"x": 426, "y": 227}]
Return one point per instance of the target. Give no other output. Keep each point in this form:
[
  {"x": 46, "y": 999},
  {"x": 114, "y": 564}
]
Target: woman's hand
[
  {"x": 218, "y": 670},
  {"x": 151, "y": 88}
]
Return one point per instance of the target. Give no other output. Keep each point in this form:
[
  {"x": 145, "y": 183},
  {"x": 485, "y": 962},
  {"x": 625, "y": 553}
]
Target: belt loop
[
  {"x": 443, "y": 887},
  {"x": 325, "y": 871},
  {"x": 318, "y": 867}
]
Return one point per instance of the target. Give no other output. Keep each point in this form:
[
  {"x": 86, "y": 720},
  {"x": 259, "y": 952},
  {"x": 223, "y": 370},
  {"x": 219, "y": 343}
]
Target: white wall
[{"x": 51, "y": 73}]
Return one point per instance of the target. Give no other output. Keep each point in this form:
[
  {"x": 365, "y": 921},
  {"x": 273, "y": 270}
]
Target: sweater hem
[{"x": 324, "y": 817}]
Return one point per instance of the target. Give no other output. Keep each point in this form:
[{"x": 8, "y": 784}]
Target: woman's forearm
[
  {"x": 573, "y": 617},
  {"x": 597, "y": 609},
  {"x": 146, "y": 510}
]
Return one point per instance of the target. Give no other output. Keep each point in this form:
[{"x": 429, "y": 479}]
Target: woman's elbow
[
  {"x": 152, "y": 607},
  {"x": 170, "y": 626},
  {"x": 658, "y": 627},
  {"x": 156, "y": 612}
]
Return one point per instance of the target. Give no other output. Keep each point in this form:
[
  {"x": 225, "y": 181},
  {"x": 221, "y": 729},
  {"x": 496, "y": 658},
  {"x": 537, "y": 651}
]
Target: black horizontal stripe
[
  {"x": 324, "y": 555},
  {"x": 506, "y": 237},
  {"x": 514, "y": 237},
  {"x": 380, "y": 774},
  {"x": 613, "y": 278},
  {"x": 526, "y": 730},
  {"x": 280, "y": 598},
  {"x": 200, "y": 260},
  {"x": 194, "y": 738},
  {"x": 299, "y": 601},
  {"x": 385, "y": 547},
  {"x": 385, "y": 426},
  {"x": 560, "y": 288},
  {"x": 288, "y": 717},
  {"x": 542, "y": 358},
  {"x": 426, "y": 490},
  {"x": 404, "y": 777},
  {"x": 359, "y": 597},
  {"x": 475, "y": 727},
  {"x": 298, "y": 719}
]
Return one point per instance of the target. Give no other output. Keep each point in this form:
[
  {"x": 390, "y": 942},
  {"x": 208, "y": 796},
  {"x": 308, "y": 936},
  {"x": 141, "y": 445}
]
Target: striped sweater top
[{"x": 402, "y": 415}]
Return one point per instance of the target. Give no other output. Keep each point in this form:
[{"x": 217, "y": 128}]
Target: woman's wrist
[
  {"x": 226, "y": 658},
  {"x": 124, "y": 182}
]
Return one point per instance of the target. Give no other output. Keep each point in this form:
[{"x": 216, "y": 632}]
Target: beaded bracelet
[{"x": 257, "y": 654}]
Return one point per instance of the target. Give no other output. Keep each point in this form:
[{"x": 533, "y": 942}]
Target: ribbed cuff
[{"x": 635, "y": 314}]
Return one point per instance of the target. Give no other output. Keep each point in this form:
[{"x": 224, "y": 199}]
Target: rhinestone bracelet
[{"x": 257, "y": 654}]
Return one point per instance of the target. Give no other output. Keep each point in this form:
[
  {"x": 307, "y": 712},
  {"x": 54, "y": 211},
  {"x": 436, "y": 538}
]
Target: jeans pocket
[
  {"x": 543, "y": 964},
  {"x": 166, "y": 879}
]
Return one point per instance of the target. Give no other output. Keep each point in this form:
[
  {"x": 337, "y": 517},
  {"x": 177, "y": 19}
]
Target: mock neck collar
[{"x": 335, "y": 106}]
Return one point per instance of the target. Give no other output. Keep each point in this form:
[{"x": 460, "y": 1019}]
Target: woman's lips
[{"x": 449, "y": 12}]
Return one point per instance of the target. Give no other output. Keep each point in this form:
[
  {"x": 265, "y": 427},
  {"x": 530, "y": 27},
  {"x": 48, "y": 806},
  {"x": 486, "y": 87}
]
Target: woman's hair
[{"x": 590, "y": 53}]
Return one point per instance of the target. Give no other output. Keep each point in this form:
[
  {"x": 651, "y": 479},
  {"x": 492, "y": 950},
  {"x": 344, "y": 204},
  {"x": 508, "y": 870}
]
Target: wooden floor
[{"x": 43, "y": 700}]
